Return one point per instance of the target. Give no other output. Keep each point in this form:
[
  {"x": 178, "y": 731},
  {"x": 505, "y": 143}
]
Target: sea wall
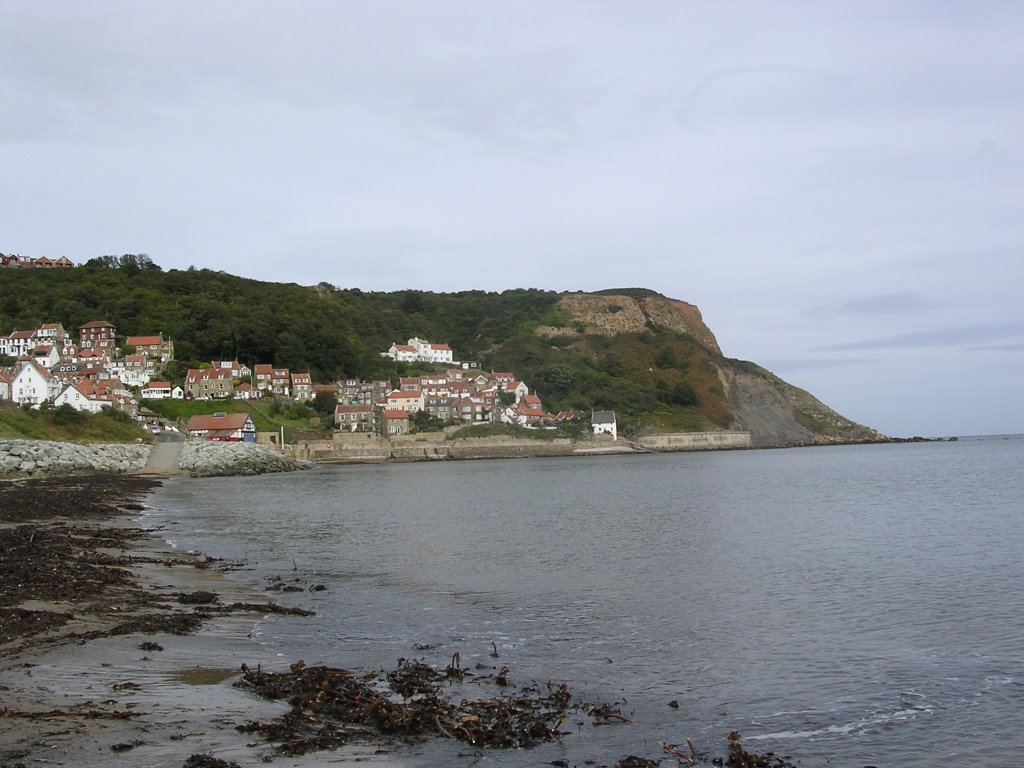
[
  {"x": 41, "y": 458},
  {"x": 366, "y": 448},
  {"x": 206, "y": 458},
  {"x": 695, "y": 441}
]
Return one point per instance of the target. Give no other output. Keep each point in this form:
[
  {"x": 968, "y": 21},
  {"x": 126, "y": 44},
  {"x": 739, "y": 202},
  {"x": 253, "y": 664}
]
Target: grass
[
  {"x": 69, "y": 425},
  {"x": 267, "y": 416}
]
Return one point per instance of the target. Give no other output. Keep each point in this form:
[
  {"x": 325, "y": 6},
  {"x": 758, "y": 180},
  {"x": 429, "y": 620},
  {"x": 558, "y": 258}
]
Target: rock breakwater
[
  {"x": 44, "y": 458},
  {"x": 203, "y": 458}
]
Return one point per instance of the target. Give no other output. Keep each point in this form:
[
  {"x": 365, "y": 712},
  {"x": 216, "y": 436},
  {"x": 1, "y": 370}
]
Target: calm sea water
[{"x": 848, "y": 606}]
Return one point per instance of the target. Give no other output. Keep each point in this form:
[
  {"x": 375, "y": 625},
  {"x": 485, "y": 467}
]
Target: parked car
[{"x": 154, "y": 429}]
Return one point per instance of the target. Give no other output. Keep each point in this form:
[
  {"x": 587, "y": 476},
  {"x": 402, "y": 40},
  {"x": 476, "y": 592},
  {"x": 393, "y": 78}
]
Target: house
[
  {"x": 411, "y": 402},
  {"x": 264, "y": 373},
  {"x": 355, "y": 418},
  {"x": 395, "y": 422},
  {"x": 247, "y": 391},
  {"x": 441, "y": 407},
  {"x": 419, "y": 350},
  {"x": 431, "y": 353},
  {"x": 83, "y": 395},
  {"x": 302, "y": 386},
  {"x": 97, "y": 335},
  {"x": 51, "y": 333},
  {"x": 40, "y": 263},
  {"x": 603, "y": 423},
  {"x": 517, "y": 388},
  {"x": 17, "y": 343},
  {"x": 472, "y": 410},
  {"x": 280, "y": 382},
  {"x": 238, "y": 370},
  {"x": 204, "y": 383},
  {"x": 46, "y": 355},
  {"x": 228, "y": 427},
  {"x": 409, "y": 383},
  {"x": 6, "y": 378},
  {"x": 402, "y": 353},
  {"x": 156, "y": 390},
  {"x": 133, "y": 370},
  {"x": 34, "y": 384},
  {"x": 153, "y": 347}
]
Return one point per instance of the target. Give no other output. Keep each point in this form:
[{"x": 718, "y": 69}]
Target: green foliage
[
  {"x": 325, "y": 402},
  {"x": 504, "y": 430},
  {"x": 66, "y": 424},
  {"x": 656, "y": 377}
]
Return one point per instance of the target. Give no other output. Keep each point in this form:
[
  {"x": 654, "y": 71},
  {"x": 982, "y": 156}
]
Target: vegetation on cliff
[{"x": 647, "y": 357}]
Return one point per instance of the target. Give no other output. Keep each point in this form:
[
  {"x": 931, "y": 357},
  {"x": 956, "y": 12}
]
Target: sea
[{"x": 842, "y": 606}]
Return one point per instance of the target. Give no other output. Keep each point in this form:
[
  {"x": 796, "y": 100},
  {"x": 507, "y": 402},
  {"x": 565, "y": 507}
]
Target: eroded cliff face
[
  {"x": 609, "y": 315},
  {"x": 779, "y": 414}
]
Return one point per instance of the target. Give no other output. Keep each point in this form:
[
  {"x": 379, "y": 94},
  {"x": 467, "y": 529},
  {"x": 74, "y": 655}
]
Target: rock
[
  {"x": 40, "y": 458},
  {"x": 205, "y": 458}
]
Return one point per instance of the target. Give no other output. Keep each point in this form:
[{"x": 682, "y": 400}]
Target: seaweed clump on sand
[
  {"x": 740, "y": 758},
  {"x": 329, "y": 706}
]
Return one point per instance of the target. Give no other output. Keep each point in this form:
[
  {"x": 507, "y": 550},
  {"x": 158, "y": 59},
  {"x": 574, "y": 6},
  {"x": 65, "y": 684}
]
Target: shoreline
[
  {"x": 117, "y": 648},
  {"x": 119, "y": 669}
]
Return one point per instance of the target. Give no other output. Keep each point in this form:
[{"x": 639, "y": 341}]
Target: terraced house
[{"x": 207, "y": 383}]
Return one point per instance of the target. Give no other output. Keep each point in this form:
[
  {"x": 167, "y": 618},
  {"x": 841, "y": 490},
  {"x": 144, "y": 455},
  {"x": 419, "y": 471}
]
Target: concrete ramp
[{"x": 165, "y": 456}]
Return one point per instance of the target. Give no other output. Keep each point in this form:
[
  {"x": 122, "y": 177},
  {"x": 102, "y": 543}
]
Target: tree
[{"x": 325, "y": 402}]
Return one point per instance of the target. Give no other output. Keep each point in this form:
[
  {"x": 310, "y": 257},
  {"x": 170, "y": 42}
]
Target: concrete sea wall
[{"x": 695, "y": 441}]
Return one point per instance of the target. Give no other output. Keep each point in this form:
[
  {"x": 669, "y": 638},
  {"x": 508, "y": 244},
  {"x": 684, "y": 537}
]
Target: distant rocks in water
[
  {"x": 205, "y": 458},
  {"x": 42, "y": 458}
]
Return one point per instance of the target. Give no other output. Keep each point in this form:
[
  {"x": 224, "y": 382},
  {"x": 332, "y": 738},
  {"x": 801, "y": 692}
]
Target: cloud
[
  {"x": 998, "y": 348},
  {"x": 939, "y": 337},
  {"x": 898, "y": 303}
]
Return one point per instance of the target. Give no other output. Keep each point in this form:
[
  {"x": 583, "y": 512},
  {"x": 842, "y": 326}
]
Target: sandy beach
[{"x": 116, "y": 649}]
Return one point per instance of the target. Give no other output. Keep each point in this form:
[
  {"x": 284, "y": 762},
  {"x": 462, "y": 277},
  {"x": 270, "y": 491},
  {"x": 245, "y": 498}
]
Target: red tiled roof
[
  {"x": 209, "y": 421},
  {"x": 97, "y": 324},
  {"x": 143, "y": 341},
  {"x": 396, "y": 414}
]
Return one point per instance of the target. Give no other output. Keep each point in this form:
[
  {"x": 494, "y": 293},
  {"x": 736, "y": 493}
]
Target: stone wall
[
  {"x": 40, "y": 458},
  {"x": 695, "y": 441}
]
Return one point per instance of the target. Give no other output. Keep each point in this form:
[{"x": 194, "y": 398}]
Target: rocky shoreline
[
  {"x": 42, "y": 458},
  {"x": 199, "y": 458},
  {"x": 203, "y": 458}
]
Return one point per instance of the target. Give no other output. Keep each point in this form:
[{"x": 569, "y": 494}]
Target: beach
[{"x": 115, "y": 648}]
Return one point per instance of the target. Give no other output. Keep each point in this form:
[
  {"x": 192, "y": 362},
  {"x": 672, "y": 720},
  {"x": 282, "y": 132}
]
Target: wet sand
[{"x": 101, "y": 662}]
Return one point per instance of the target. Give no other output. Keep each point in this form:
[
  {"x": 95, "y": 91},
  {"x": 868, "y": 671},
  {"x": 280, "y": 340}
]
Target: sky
[{"x": 839, "y": 186}]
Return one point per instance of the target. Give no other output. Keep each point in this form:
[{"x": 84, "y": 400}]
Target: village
[{"x": 101, "y": 369}]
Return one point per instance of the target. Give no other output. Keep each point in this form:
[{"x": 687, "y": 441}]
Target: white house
[
  {"x": 420, "y": 350},
  {"x": 17, "y": 343},
  {"x": 83, "y": 396},
  {"x": 33, "y": 384},
  {"x": 402, "y": 400},
  {"x": 402, "y": 353},
  {"x": 156, "y": 390},
  {"x": 603, "y": 423}
]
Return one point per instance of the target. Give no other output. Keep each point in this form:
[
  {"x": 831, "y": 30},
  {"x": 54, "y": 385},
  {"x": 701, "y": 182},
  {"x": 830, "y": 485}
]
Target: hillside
[{"x": 650, "y": 358}]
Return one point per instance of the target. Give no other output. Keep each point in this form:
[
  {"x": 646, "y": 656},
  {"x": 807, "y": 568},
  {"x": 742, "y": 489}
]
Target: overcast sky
[{"x": 839, "y": 186}]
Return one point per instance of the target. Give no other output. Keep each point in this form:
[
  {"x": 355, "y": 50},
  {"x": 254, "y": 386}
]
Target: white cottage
[
  {"x": 33, "y": 384},
  {"x": 603, "y": 423}
]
